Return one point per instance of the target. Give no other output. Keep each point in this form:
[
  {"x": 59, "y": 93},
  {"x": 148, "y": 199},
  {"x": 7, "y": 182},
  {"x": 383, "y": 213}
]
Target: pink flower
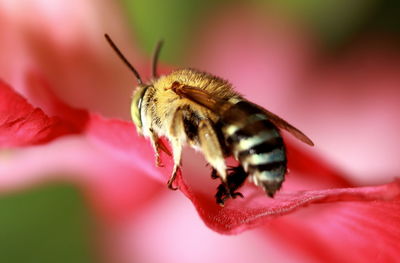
[{"x": 320, "y": 214}]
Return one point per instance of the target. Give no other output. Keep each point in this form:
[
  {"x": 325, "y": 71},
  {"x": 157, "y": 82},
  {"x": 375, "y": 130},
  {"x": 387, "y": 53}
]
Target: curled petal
[
  {"x": 22, "y": 124},
  {"x": 120, "y": 138},
  {"x": 114, "y": 180},
  {"x": 134, "y": 152},
  {"x": 307, "y": 172},
  {"x": 343, "y": 232},
  {"x": 256, "y": 208}
]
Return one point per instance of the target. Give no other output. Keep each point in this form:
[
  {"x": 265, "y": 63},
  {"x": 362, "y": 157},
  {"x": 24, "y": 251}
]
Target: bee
[{"x": 192, "y": 107}]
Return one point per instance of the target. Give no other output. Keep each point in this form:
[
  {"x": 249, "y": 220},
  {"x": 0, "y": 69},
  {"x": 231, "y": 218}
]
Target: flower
[{"x": 316, "y": 210}]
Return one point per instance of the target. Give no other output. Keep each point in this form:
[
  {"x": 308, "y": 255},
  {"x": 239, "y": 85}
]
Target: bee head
[
  {"x": 141, "y": 89},
  {"x": 137, "y": 105}
]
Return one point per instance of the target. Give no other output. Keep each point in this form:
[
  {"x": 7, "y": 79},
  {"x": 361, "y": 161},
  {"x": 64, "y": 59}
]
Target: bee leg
[
  {"x": 235, "y": 179},
  {"x": 221, "y": 195},
  {"x": 214, "y": 174},
  {"x": 157, "y": 146},
  {"x": 176, "y": 130},
  {"x": 211, "y": 149},
  {"x": 177, "y": 152}
]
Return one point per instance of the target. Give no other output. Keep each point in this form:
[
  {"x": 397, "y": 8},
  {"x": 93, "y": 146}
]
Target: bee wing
[
  {"x": 217, "y": 105},
  {"x": 282, "y": 124},
  {"x": 201, "y": 97}
]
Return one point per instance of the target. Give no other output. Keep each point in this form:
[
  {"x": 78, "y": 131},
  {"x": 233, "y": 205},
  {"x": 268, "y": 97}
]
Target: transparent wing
[
  {"x": 201, "y": 97},
  {"x": 218, "y": 106},
  {"x": 282, "y": 124}
]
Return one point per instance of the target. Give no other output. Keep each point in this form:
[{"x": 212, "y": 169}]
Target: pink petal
[
  {"x": 120, "y": 138},
  {"x": 22, "y": 124},
  {"x": 343, "y": 232},
  {"x": 114, "y": 178},
  {"x": 114, "y": 185},
  {"x": 257, "y": 209},
  {"x": 41, "y": 95},
  {"x": 183, "y": 237}
]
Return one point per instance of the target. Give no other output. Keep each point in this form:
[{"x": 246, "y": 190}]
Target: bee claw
[
  {"x": 172, "y": 179},
  {"x": 228, "y": 189},
  {"x": 221, "y": 203},
  {"x": 214, "y": 174},
  {"x": 222, "y": 194},
  {"x": 236, "y": 194},
  {"x": 161, "y": 146},
  {"x": 159, "y": 163},
  {"x": 171, "y": 182},
  {"x": 171, "y": 187}
]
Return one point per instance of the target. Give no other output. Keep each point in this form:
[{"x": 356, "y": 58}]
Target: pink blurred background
[{"x": 331, "y": 69}]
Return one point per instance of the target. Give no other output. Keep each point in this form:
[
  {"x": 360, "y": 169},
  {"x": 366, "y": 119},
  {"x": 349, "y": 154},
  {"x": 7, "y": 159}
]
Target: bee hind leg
[
  {"x": 235, "y": 179},
  {"x": 176, "y": 130},
  {"x": 211, "y": 149}
]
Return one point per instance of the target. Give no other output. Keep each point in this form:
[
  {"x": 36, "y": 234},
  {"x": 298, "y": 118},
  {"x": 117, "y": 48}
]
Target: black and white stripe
[{"x": 257, "y": 144}]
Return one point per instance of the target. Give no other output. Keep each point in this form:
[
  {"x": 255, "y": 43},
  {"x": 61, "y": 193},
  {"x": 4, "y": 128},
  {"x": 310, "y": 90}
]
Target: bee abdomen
[{"x": 257, "y": 144}]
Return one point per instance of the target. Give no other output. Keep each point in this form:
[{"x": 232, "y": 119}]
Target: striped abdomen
[{"x": 256, "y": 143}]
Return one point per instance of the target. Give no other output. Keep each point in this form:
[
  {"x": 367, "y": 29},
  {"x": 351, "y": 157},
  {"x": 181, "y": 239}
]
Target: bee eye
[{"x": 137, "y": 105}]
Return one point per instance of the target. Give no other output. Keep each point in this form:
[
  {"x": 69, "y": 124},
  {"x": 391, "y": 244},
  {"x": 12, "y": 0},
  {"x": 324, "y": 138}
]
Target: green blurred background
[
  {"x": 49, "y": 223},
  {"x": 335, "y": 22}
]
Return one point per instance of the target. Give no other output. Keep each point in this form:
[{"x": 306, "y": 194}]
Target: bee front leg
[{"x": 157, "y": 146}]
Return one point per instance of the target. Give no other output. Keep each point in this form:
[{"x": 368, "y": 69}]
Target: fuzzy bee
[{"x": 192, "y": 107}]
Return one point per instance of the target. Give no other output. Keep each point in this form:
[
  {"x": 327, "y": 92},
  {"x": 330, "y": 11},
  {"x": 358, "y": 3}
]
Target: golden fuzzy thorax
[
  {"x": 169, "y": 101},
  {"x": 164, "y": 102},
  {"x": 165, "y": 113}
]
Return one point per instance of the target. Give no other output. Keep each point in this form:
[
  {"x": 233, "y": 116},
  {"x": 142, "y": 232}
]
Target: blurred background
[{"x": 331, "y": 68}]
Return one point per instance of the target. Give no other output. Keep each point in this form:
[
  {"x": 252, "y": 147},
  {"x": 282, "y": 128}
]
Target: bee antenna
[
  {"x": 123, "y": 58},
  {"x": 156, "y": 57}
]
